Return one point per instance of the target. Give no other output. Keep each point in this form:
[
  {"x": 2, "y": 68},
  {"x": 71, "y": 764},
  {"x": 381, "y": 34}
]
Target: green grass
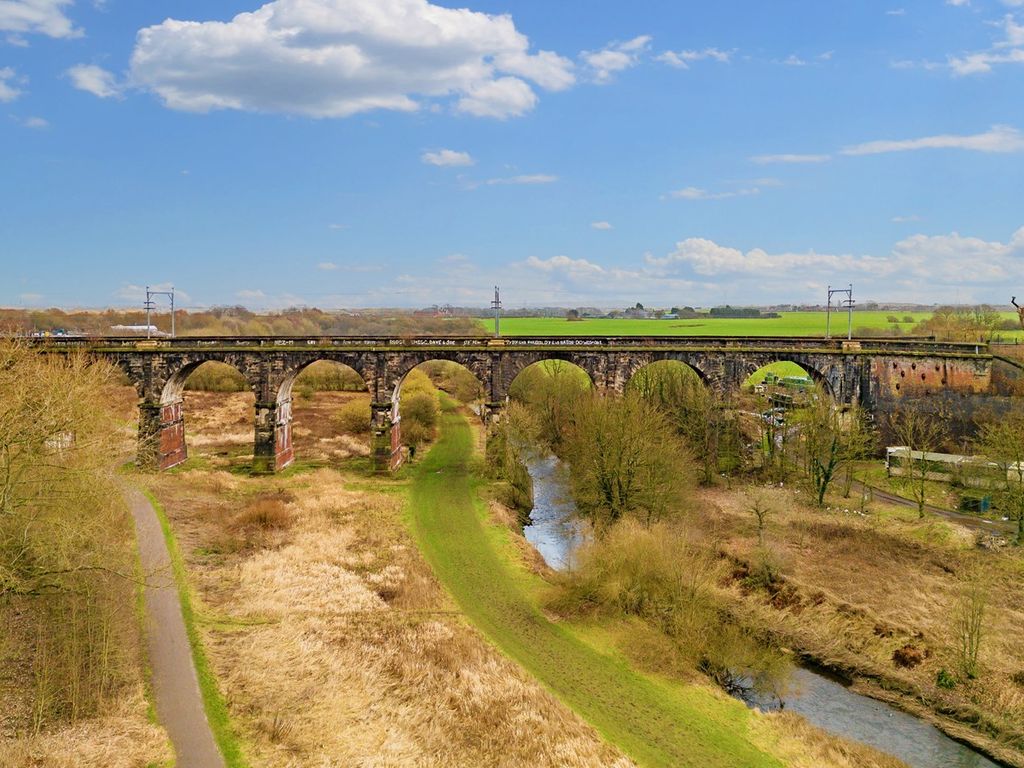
[
  {"x": 782, "y": 369},
  {"x": 214, "y": 704},
  {"x": 654, "y": 721},
  {"x": 936, "y": 494},
  {"x": 789, "y": 324}
]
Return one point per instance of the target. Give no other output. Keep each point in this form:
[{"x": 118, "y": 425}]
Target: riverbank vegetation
[
  {"x": 905, "y": 604},
  {"x": 71, "y": 649},
  {"x": 656, "y": 720}
]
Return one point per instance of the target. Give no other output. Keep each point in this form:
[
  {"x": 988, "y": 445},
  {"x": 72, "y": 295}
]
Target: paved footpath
[{"x": 179, "y": 704}]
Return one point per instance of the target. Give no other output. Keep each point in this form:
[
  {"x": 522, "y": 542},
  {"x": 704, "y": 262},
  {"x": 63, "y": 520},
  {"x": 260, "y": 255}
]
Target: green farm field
[{"x": 789, "y": 324}]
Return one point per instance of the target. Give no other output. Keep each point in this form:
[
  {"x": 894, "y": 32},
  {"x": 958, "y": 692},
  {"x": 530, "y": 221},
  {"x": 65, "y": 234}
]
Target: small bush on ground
[
  {"x": 418, "y": 408},
  {"x": 327, "y": 376},
  {"x": 454, "y": 379},
  {"x": 661, "y": 575},
  {"x": 216, "y": 377},
  {"x": 266, "y": 513},
  {"x": 353, "y": 418}
]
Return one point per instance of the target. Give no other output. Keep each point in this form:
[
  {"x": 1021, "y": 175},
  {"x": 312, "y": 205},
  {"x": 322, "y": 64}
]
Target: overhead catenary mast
[
  {"x": 847, "y": 303},
  {"x": 496, "y": 306},
  {"x": 150, "y": 305}
]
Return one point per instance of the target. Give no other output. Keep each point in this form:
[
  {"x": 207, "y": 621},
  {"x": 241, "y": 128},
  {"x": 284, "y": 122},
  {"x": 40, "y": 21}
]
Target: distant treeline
[{"x": 238, "y": 321}]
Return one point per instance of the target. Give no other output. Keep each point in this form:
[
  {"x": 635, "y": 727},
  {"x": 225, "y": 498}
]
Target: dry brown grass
[
  {"x": 219, "y": 426},
  {"x": 863, "y": 594},
  {"x": 335, "y": 645},
  {"x": 124, "y": 738},
  {"x": 801, "y": 745}
]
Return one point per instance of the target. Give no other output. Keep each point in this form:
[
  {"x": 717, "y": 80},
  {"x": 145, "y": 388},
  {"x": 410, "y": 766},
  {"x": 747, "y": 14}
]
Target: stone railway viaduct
[{"x": 874, "y": 373}]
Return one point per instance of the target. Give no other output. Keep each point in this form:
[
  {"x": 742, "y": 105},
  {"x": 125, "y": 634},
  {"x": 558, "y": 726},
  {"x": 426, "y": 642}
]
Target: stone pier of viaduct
[{"x": 869, "y": 372}]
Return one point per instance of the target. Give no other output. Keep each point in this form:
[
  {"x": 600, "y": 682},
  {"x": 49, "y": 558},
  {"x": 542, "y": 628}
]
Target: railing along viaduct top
[{"x": 905, "y": 344}]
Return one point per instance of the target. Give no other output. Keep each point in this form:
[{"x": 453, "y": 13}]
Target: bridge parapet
[{"x": 243, "y": 343}]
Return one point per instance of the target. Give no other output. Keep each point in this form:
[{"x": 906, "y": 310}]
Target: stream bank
[{"x": 823, "y": 700}]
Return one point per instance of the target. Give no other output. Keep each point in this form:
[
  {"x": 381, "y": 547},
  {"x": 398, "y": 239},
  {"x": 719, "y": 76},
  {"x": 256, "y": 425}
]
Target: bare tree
[
  {"x": 626, "y": 461},
  {"x": 1001, "y": 440},
  {"x": 65, "y": 542},
  {"x": 969, "y": 623},
  {"x": 551, "y": 390},
  {"x": 697, "y": 411},
  {"x": 831, "y": 441},
  {"x": 919, "y": 432},
  {"x": 761, "y": 511}
]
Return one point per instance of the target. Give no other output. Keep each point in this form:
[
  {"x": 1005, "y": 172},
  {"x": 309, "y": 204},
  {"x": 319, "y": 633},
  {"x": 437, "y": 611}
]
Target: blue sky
[{"x": 347, "y": 153}]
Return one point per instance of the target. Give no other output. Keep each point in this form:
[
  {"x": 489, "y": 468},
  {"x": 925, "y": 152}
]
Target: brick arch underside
[
  {"x": 701, "y": 367},
  {"x": 595, "y": 366},
  {"x": 828, "y": 377},
  {"x": 173, "y": 389},
  {"x": 478, "y": 364},
  {"x": 365, "y": 368}
]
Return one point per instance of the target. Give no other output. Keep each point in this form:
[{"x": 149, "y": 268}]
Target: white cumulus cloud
[
  {"x": 446, "y": 157},
  {"x": 1008, "y": 50},
  {"x": 526, "y": 178},
  {"x": 44, "y": 17},
  {"x": 95, "y": 80},
  {"x": 335, "y": 58},
  {"x": 916, "y": 263},
  {"x": 601, "y": 225}
]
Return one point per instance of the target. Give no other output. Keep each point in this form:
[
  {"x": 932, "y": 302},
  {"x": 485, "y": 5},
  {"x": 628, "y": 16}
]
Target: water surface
[
  {"x": 554, "y": 530},
  {"x": 832, "y": 706}
]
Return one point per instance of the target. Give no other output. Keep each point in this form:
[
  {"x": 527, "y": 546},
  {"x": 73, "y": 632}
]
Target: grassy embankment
[
  {"x": 653, "y": 721},
  {"x": 789, "y": 324}
]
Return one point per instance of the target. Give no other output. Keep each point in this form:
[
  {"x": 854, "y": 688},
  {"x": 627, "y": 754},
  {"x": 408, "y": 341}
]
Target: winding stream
[{"x": 555, "y": 532}]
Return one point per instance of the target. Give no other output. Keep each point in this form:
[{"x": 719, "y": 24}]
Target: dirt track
[
  {"x": 179, "y": 704},
  {"x": 968, "y": 521}
]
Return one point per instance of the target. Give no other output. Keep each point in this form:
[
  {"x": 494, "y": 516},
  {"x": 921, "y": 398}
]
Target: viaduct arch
[{"x": 874, "y": 373}]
